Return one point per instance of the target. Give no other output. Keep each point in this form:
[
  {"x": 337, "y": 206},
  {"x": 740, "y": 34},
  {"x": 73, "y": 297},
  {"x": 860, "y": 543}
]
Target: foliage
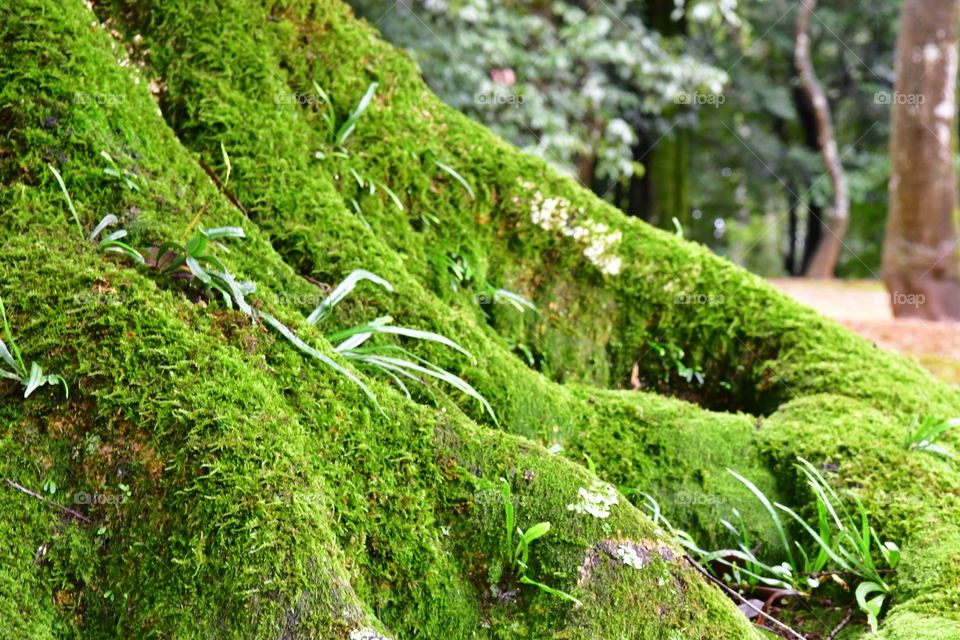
[
  {"x": 176, "y": 261},
  {"x": 338, "y": 132},
  {"x": 31, "y": 378},
  {"x": 113, "y": 240},
  {"x": 924, "y": 435},
  {"x": 845, "y": 542},
  {"x": 392, "y": 360},
  {"x": 66, "y": 194},
  {"x": 518, "y": 557},
  {"x": 126, "y": 177},
  {"x": 671, "y": 357},
  {"x": 562, "y": 80}
]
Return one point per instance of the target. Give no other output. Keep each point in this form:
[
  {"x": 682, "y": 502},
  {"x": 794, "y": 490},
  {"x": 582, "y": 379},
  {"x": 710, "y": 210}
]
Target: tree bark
[
  {"x": 920, "y": 252},
  {"x": 827, "y": 252}
]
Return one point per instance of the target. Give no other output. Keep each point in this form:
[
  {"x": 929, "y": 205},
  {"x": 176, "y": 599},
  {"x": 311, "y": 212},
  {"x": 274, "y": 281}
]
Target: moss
[{"x": 267, "y": 495}]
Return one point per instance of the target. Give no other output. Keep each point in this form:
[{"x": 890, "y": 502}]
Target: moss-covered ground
[{"x": 243, "y": 490}]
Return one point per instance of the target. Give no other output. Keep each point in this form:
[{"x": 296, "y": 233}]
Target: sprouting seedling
[
  {"x": 113, "y": 240},
  {"x": 850, "y": 543},
  {"x": 678, "y": 227},
  {"x": 31, "y": 378},
  {"x": 518, "y": 557},
  {"x": 456, "y": 176},
  {"x": 66, "y": 194},
  {"x": 371, "y": 186},
  {"x": 337, "y": 135},
  {"x": 128, "y": 178},
  {"x": 515, "y": 300},
  {"x": 924, "y": 435},
  {"x": 193, "y": 261},
  {"x": 395, "y": 362}
]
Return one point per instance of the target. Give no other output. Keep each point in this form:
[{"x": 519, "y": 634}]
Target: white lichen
[
  {"x": 628, "y": 556},
  {"x": 557, "y": 214},
  {"x": 595, "y": 501},
  {"x": 366, "y": 634}
]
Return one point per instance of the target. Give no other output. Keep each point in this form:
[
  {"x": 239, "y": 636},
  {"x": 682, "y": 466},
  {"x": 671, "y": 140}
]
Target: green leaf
[
  {"x": 122, "y": 247},
  {"x": 891, "y": 554},
  {"x": 393, "y": 196},
  {"x": 54, "y": 379},
  {"x": 9, "y": 376},
  {"x": 773, "y": 514},
  {"x": 105, "y": 222},
  {"x": 456, "y": 176},
  {"x": 310, "y": 351},
  {"x": 66, "y": 194},
  {"x": 350, "y": 124},
  {"x": 226, "y": 162},
  {"x": 434, "y": 372},
  {"x": 7, "y": 357},
  {"x": 872, "y": 606},
  {"x": 554, "y": 592},
  {"x": 35, "y": 380},
  {"x": 224, "y": 232},
  {"x": 421, "y": 335},
  {"x": 197, "y": 270},
  {"x": 342, "y": 291}
]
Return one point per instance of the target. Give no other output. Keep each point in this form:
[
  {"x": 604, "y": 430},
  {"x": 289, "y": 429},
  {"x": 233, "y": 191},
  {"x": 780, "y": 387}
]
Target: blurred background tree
[{"x": 681, "y": 112}]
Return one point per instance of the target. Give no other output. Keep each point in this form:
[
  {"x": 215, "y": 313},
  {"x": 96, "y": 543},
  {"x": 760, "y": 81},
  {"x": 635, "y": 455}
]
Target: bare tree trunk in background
[
  {"x": 824, "y": 259},
  {"x": 920, "y": 256}
]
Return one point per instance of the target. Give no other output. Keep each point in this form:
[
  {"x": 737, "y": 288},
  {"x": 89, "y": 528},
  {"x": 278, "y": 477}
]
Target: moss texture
[{"x": 262, "y": 494}]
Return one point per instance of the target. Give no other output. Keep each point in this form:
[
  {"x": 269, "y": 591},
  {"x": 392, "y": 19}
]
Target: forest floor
[{"x": 863, "y": 306}]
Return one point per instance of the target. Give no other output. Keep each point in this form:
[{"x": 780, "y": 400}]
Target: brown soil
[{"x": 863, "y": 306}]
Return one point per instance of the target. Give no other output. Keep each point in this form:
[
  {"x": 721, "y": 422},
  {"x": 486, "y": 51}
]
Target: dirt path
[{"x": 863, "y": 306}]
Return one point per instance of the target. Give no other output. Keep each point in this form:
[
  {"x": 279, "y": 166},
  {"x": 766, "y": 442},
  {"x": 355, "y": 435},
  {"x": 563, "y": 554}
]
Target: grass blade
[
  {"x": 18, "y": 365},
  {"x": 439, "y": 374},
  {"x": 456, "y": 176},
  {"x": 36, "y": 379},
  {"x": 295, "y": 340},
  {"x": 343, "y": 290},
  {"x": 421, "y": 335},
  {"x": 66, "y": 194},
  {"x": 224, "y": 232},
  {"x": 350, "y": 124},
  {"x": 107, "y": 220},
  {"x": 773, "y": 513}
]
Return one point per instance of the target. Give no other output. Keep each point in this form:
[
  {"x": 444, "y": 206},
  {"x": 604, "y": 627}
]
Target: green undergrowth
[
  {"x": 267, "y": 495},
  {"x": 240, "y": 489}
]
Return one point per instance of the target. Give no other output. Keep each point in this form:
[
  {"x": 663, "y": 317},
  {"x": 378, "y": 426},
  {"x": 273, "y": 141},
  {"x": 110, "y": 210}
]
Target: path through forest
[{"x": 864, "y": 307}]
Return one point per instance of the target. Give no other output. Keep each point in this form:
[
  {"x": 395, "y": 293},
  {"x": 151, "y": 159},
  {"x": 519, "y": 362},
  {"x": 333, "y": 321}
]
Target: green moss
[{"x": 268, "y": 496}]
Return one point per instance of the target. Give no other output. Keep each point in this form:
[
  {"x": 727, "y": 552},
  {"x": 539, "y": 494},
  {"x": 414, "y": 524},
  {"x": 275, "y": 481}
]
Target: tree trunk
[
  {"x": 827, "y": 252},
  {"x": 920, "y": 252}
]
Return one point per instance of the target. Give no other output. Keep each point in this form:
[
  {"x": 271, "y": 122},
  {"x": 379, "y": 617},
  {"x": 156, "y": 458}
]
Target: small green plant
[
  {"x": 194, "y": 261},
  {"x": 31, "y": 378},
  {"x": 371, "y": 186},
  {"x": 672, "y": 357},
  {"x": 392, "y": 360},
  {"x": 337, "y": 133},
  {"x": 113, "y": 240},
  {"x": 456, "y": 176},
  {"x": 66, "y": 194},
  {"x": 127, "y": 178},
  {"x": 925, "y": 433},
  {"x": 850, "y": 541},
  {"x": 518, "y": 557},
  {"x": 460, "y": 274},
  {"x": 845, "y": 544}
]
